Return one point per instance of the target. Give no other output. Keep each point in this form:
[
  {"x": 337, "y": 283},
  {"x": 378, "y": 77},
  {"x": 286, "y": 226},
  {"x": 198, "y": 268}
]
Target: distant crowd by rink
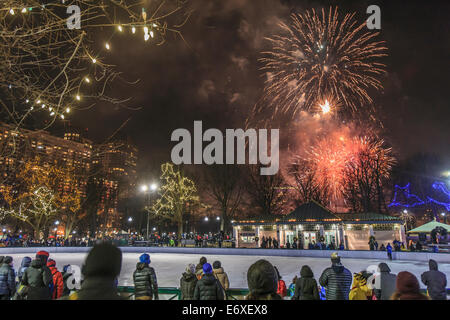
[
  {"x": 204, "y": 240},
  {"x": 164, "y": 240}
]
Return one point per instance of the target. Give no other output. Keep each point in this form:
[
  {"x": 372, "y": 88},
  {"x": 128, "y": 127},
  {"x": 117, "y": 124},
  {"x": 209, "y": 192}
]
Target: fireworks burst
[
  {"x": 321, "y": 56},
  {"x": 334, "y": 154}
]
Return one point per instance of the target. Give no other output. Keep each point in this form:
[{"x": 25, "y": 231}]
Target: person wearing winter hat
[
  {"x": 145, "y": 281},
  {"x": 336, "y": 279},
  {"x": 407, "y": 287},
  {"x": 306, "y": 286},
  {"x": 208, "y": 287},
  {"x": 57, "y": 280},
  {"x": 100, "y": 271},
  {"x": 188, "y": 282},
  {"x": 7, "y": 279},
  {"x": 436, "y": 281},
  {"x": 221, "y": 275},
  {"x": 26, "y": 262},
  {"x": 262, "y": 281},
  {"x": 199, "y": 267},
  {"x": 38, "y": 278}
]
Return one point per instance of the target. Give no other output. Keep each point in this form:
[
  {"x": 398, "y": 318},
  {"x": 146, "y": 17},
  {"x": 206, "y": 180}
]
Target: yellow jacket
[{"x": 360, "y": 290}]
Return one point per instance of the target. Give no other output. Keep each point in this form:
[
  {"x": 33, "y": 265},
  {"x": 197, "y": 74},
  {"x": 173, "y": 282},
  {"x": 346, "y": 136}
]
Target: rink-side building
[{"x": 311, "y": 222}]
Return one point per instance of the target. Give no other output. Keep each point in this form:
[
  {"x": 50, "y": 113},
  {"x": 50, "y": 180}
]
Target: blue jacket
[
  {"x": 389, "y": 248},
  {"x": 7, "y": 280}
]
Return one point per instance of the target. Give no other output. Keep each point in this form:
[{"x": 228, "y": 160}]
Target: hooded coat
[
  {"x": 222, "y": 276},
  {"x": 38, "y": 278},
  {"x": 386, "y": 283},
  {"x": 436, "y": 282},
  {"x": 188, "y": 283},
  {"x": 7, "y": 280},
  {"x": 145, "y": 282},
  {"x": 57, "y": 280},
  {"x": 360, "y": 290},
  {"x": 262, "y": 281},
  {"x": 26, "y": 262},
  {"x": 306, "y": 286},
  {"x": 208, "y": 288},
  {"x": 337, "y": 279},
  {"x": 407, "y": 288}
]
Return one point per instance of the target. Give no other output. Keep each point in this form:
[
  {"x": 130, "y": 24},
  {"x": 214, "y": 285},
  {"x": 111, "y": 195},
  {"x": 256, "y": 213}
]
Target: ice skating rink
[{"x": 169, "y": 267}]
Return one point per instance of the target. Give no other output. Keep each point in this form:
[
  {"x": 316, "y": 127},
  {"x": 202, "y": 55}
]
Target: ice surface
[{"x": 169, "y": 267}]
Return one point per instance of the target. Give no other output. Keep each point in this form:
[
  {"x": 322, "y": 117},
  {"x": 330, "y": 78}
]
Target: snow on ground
[{"x": 169, "y": 267}]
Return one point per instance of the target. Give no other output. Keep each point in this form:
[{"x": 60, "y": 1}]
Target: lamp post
[
  {"x": 148, "y": 190},
  {"x": 444, "y": 215}
]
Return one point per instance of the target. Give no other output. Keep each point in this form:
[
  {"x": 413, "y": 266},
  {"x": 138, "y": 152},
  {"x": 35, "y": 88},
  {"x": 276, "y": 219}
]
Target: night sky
[{"x": 215, "y": 77}]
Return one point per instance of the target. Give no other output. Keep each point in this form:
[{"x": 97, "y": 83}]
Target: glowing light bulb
[
  {"x": 43, "y": 106},
  {"x": 24, "y": 10},
  {"x": 87, "y": 80},
  {"x": 39, "y": 101},
  {"x": 146, "y": 37},
  {"x": 50, "y": 109},
  {"x": 94, "y": 60},
  {"x": 27, "y": 101},
  {"x": 151, "y": 34},
  {"x": 107, "y": 46},
  {"x": 78, "y": 97},
  {"x": 52, "y": 113},
  {"x": 133, "y": 30},
  {"x": 154, "y": 24},
  {"x": 11, "y": 11},
  {"x": 145, "y": 30},
  {"x": 62, "y": 116},
  {"x": 31, "y": 108},
  {"x": 68, "y": 110},
  {"x": 120, "y": 28}
]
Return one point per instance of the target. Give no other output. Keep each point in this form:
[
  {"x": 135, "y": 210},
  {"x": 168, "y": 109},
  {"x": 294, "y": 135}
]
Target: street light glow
[
  {"x": 144, "y": 188},
  {"x": 153, "y": 186},
  {"x": 206, "y": 218},
  {"x": 218, "y": 218},
  {"x": 56, "y": 222},
  {"x": 130, "y": 219}
]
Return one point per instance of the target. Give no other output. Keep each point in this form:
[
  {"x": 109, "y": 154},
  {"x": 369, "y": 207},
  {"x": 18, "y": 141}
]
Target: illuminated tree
[
  {"x": 176, "y": 193},
  {"x": 68, "y": 200},
  {"x": 40, "y": 194},
  {"x": 52, "y": 63}
]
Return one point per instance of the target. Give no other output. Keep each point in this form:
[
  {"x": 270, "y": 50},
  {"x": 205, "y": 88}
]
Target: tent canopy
[{"x": 427, "y": 227}]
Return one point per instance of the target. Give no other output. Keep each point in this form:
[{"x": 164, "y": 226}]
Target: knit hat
[
  {"x": 43, "y": 256},
  {"x": 51, "y": 263},
  {"x": 335, "y": 257},
  {"x": 407, "y": 283},
  {"x": 203, "y": 260},
  {"x": 207, "y": 268},
  {"x": 262, "y": 278},
  {"x": 145, "y": 258},
  {"x": 104, "y": 260},
  {"x": 7, "y": 260},
  {"x": 217, "y": 265},
  {"x": 190, "y": 268}
]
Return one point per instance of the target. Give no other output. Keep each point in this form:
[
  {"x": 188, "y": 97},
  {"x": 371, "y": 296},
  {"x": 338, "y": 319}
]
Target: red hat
[
  {"x": 42, "y": 253},
  {"x": 51, "y": 263}
]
